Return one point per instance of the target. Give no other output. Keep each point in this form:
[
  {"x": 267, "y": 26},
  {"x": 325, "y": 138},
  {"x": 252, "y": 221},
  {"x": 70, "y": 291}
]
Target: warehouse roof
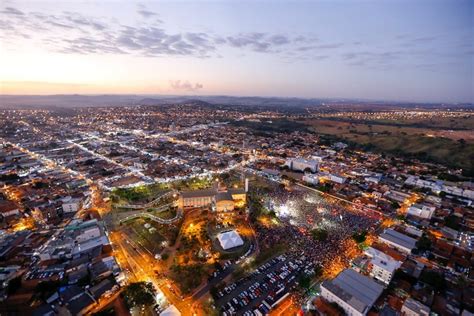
[{"x": 355, "y": 289}]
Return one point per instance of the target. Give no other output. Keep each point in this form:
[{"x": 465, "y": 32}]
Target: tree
[
  {"x": 338, "y": 308},
  {"x": 14, "y": 285},
  {"x": 319, "y": 234},
  {"x": 318, "y": 271},
  {"x": 214, "y": 291},
  {"x": 359, "y": 237},
  {"x": 46, "y": 288},
  {"x": 305, "y": 282},
  {"x": 139, "y": 294},
  {"x": 424, "y": 243},
  {"x": 435, "y": 279},
  {"x": 10, "y": 177},
  {"x": 452, "y": 222},
  {"x": 401, "y": 217},
  {"x": 395, "y": 205},
  {"x": 105, "y": 312}
]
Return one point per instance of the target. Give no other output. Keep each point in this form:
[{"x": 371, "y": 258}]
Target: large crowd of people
[{"x": 299, "y": 213}]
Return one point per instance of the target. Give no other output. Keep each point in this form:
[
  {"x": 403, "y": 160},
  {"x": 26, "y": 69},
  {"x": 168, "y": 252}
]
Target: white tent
[{"x": 230, "y": 239}]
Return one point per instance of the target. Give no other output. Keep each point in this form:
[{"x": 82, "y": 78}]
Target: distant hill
[
  {"x": 39, "y": 101},
  {"x": 70, "y": 100},
  {"x": 173, "y": 100},
  {"x": 75, "y": 100}
]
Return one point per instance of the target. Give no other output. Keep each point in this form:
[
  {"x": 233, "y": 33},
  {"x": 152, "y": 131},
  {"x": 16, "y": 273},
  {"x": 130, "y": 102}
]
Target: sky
[{"x": 420, "y": 51}]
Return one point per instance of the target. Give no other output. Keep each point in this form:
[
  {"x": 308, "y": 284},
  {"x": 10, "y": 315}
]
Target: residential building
[
  {"x": 71, "y": 205},
  {"x": 300, "y": 164},
  {"x": 421, "y": 210},
  {"x": 382, "y": 266},
  {"x": 398, "y": 240},
  {"x": 412, "y": 307}
]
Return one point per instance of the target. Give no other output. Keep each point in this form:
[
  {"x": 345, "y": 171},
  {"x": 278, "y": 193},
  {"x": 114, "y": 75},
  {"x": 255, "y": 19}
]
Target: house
[
  {"x": 81, "y": 304},
  {"x": 398, "y": 240},
  {"x": 412, "y": 307},
  {"x": 332, "y": 177},
  {"x": 105, "y": 286},
  {"x": 421, "y": 210},
  {"x": 381, "y": 266},
  {"x": 300, "y": 164},
  {"x": 311, "y": 178},
  {"x": 8, "y": 208},
  {"x": 71, "y": 205}
]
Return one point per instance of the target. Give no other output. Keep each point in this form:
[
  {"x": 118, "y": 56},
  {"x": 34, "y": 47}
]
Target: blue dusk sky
[{"x": 385, "y": 50}]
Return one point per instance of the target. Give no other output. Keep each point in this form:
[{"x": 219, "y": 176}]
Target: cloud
[
  {"x": 12, "y": 11},
  {"x": 279, "y": 39},
  {"x": 144, "y": 12},
  {"x": 179, "y": 85},
  {"x": 262, "y": 42},
  {"x": 329, "y": 46},
  {"x": 256, "y": 41},
  {"x": 347, "y": 56},
  {"x": 424, "y": 39},
  {"x": 85, "y": 45},
  {"x": 79, "y": 20},
  {"x": 154, "y": 41},
  {"x": 321, "y": 57},
  {"x": 74, "y": 33}
]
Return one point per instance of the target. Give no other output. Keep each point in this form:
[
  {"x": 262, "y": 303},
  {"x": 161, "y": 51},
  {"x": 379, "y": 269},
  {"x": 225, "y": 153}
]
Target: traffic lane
[
  {"x": 214, "y": 281},
  {"x": 219, "y": 278}
]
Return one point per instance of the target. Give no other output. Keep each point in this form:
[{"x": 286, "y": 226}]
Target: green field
[
  {"x": 139, "y": 194},
  {"x": 409, "y": 142},
  {"x": 151, "y": 240},
  {"x": 453, "y": 123}
]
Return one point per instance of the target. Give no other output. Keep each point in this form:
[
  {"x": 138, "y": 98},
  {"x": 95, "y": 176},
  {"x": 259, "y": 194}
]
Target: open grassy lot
[
  {"x": 267, "y": 128},
  {"x": 151, "y": 238},
  {"x": 427, "y": 145},
  {"x": 451, "y": 123},
  {"x": 350, "y": 129},
  {"x": 139, "y": 194}
]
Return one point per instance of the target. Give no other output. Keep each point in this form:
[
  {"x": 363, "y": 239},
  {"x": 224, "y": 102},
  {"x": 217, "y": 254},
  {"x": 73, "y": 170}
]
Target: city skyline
[{"x": 422, "y": 52}]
